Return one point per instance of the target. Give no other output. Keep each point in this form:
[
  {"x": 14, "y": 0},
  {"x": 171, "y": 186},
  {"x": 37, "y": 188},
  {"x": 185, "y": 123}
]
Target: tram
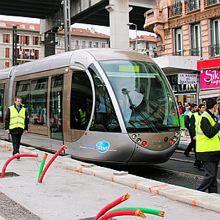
[{"x": 107, "y": 105}]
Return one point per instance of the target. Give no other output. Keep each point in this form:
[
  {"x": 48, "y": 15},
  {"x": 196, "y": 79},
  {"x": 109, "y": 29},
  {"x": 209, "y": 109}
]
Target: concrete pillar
[{"x": 119, "y": 18}]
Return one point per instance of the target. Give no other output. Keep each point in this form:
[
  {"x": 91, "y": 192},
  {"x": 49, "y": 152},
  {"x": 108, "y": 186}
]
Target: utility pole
[
  {"x": 14, "y": 46},
  {"x": 67, "y": 24}
]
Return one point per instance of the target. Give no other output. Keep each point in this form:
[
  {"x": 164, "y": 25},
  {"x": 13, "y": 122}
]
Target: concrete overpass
[{"x": 114, "y": 13}]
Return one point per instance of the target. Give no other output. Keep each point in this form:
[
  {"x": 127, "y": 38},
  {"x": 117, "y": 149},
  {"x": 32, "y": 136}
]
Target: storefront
[
  {"x": 184, "y": 87},
  {"x": 209, "y": 79}
]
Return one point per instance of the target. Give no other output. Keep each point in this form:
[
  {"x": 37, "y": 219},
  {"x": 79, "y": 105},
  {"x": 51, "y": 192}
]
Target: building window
[
  {"x": 83, "y": 44},
  {"x": 192, "y": 5},
  {"x": 175, "y": 9},
  {"x": 90, "y": 44},
  {"x": 36, "y": 54},
  {"x": 212, "y": 2},
  {"x": 7, "y": 52},
  {"x": 76, "y": 44},
  {"x": 6, "y": 38},
  {"x": 195, "y": 40},
  {"x": 215, "y": 37},
  {"x": 178, "y": 35},
  {"x": 26, "y": 40},
  {"x": 96, "y": 45},
  {"x": 35, "y": 40},
  {"x": 7, "y": 64},
  {"x": 103, "y": 45}
]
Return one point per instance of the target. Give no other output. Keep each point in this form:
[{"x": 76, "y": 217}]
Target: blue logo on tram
[{"x": 102, "y": 146}]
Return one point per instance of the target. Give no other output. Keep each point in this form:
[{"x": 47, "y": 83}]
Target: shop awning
[
  {"x": 208, "y": 64},
  {"x": 209, "y": 93},
  {"x": 177, "y": 64}
]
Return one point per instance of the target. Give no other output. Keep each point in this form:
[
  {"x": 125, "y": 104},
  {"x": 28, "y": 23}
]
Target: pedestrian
[
  {"x": 208, "y": 147},
  {"x": 192, "y": 143},
  {"x": 195, "y": 121},
  {"x": 16, "y": 123},
  {"x": 180, "y": 108}
]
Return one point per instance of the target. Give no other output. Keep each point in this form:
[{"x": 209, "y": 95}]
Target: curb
[{"x": 177, "y": 193}]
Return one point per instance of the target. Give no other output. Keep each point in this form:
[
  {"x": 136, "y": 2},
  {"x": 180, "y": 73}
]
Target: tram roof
[
  {"x": 116, "y": 54},
  {"x": 67, "y": 59},
  {"x": 5, "y": 73}
]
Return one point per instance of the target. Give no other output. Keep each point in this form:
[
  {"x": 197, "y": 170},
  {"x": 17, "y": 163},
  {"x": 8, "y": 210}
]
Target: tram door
[
  {"x": 1, "y": 105},
  {"x": 56, "y": 100}
]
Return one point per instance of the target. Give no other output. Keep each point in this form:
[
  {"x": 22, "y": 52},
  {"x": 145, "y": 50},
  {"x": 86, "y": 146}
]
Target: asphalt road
[{"x": 179, "y": 170}]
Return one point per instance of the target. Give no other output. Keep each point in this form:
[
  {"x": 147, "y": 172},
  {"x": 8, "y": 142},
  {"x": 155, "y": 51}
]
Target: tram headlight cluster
[
  {"x": 139, "y": 141},
  {"x": 175, "y": 138}
]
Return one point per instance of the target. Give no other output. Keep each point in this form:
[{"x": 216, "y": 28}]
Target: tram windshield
[{"x": 143, "y": 94}]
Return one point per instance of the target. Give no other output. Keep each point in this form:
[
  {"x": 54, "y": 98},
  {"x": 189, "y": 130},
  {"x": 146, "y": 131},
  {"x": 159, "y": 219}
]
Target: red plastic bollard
[
  {"x": 51, "y": 161},
  {"x": 112, "y": 204},
  {"x": 110, "y": 215},
  {"x": 14, "y": 157}
]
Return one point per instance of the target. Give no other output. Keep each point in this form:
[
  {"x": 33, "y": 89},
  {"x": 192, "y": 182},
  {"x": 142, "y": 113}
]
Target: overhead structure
[{"x": 58, "y": 14}]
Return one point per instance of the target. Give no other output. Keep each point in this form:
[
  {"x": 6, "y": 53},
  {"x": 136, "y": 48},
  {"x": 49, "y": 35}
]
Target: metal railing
[
  {"x": 192, "y": 5},
  {"x": 212, "y": 2},
  {"x": 214, "y": 50},
  {"x": 196, "y": 52},
  {"x": 178, "y": 53},
  {"x": 174, "y": 10}
]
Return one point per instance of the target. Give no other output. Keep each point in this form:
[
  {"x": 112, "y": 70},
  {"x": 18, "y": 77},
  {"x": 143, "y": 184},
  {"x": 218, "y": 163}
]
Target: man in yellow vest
[
  {"x": 195, "y": 120},
  {"x": 208, "y": 146},
  {"x": 16, "y": 123}
]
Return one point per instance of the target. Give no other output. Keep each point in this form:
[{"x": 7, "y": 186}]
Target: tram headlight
[
  {"x": 134, "y": 136},
  {"x": 138, "y": 140}
]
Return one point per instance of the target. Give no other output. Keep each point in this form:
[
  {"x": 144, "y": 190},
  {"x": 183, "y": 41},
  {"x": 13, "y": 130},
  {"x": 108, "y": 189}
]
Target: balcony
[
  {"x": 192, "y": 5},
  {"x": 214, "y": 50},
  {"x": 152, "y": 17},
  {"x": 212, "y": 2},
  {"x": 175, "y": 10}
]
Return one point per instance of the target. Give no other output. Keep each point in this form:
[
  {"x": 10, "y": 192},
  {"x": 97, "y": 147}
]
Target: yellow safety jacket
[
  {"x": 17, "y": 119},
  {"x": 203, "y": 143},
  {"x": 82, "y": 115}
]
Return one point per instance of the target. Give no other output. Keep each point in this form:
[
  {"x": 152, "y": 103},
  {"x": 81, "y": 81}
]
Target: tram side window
[
  {"x": 81, "y": 101},
  {"x": 2, "y": 102},
  {"x": 23, "y": 91},
  {"x": 104, "y": 119},
  {"x": 34, "y": 99},
  {"x": 38, "y": 101}
]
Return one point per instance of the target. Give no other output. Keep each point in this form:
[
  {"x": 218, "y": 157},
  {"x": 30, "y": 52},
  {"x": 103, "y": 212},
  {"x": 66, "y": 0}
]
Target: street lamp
[{"x": 136, "y": 42}]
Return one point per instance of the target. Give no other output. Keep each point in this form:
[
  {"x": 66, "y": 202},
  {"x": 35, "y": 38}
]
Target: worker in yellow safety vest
[
  {"x": 192, "y": 143},
  {"x": 16, "y": 123},
  {"x": 208, "y": 146},
  {"x": 193, "y": 124}
]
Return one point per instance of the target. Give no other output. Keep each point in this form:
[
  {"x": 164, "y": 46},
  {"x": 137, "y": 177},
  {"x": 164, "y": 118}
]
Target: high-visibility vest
[
  {"x": 82, "y": 115},
  {"x": 198, "y": 118},
  {"x": 203, "y": 143},
  {"x": 17, "y": 119}
]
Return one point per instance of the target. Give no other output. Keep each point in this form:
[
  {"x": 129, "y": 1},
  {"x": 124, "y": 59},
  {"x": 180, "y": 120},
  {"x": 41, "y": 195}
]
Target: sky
[{"x": 101, "y": 29}]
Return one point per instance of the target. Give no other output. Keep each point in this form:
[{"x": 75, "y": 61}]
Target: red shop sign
[{"x": 210, "y": 79}]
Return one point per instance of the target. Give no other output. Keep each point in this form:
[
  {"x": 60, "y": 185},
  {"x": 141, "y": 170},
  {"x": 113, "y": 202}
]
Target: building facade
[
  {"x": 81, "y": 39},
  {"x": 28, "y": 42},
  {"x": 188, "y": 28},
  {"x": 145, "y": 44}
]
